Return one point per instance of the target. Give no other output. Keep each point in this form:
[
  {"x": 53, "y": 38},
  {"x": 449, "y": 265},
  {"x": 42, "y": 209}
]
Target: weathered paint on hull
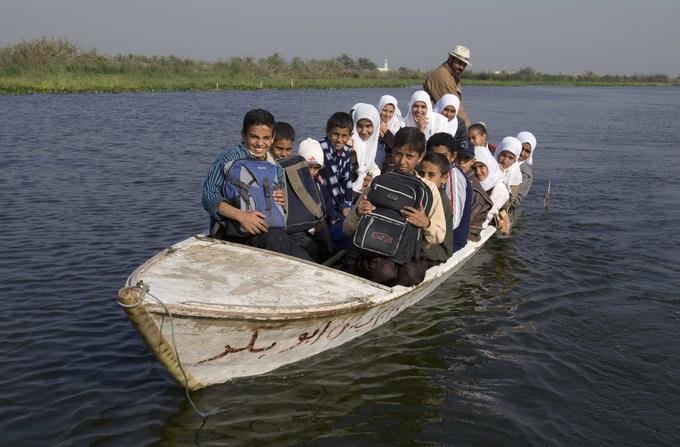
[{"x": 214, "y": 350}]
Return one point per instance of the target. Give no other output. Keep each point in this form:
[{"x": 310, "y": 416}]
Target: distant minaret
[{"x": 385, "y": 67}]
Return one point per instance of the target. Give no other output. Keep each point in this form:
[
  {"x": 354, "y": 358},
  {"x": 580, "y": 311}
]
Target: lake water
[{"x": 565, "y": 334}]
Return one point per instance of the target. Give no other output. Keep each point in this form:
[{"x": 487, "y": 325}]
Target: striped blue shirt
[
  {"x": 213, "y": 185},
  {"x": 336, "y": 174}
]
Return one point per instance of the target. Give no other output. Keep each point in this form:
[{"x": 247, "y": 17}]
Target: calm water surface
[{"x": 565, "y": 334}]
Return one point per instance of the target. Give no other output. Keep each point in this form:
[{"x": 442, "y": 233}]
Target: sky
[{"x": 569, "y": 36}]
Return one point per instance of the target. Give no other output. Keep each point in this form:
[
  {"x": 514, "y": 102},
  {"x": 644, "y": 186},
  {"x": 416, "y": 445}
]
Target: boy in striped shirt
[{"x": 336, "y": 171}]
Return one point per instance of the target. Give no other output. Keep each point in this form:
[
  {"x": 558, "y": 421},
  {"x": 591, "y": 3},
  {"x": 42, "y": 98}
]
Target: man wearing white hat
[{"x": 446, "y": 78}]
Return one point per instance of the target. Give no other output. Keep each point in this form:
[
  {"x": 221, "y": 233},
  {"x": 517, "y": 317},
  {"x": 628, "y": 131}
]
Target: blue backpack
[{"x": 248, "y": 185}]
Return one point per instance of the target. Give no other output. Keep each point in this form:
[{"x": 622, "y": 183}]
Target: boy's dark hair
[
  {"x": 442, "y": 139},
  {"x": 438, "y": 160},
  {"x": 480, "y": 127},
  {"x": 411, "y": 137},
  {"x": 343, "y": 120},
  {"x": 257, "y": 117},
  {"x": 284, "y": 131}
]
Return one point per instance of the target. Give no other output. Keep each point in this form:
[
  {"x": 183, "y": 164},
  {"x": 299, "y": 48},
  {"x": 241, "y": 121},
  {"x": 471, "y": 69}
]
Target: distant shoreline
[
  {"x": 125, "y": 84},
  {"x": 58, "y": 66}
]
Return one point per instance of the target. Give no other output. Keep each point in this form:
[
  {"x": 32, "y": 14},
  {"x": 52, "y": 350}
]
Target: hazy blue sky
[{"x": 606, "y": 36}]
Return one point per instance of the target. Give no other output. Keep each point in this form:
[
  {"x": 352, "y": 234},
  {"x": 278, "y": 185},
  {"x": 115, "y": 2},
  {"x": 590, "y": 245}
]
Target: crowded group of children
[{"x": 382, "y": 195}]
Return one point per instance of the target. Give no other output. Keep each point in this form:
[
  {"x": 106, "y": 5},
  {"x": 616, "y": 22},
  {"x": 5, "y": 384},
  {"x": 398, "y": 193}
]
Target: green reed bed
[{"x": 56, "y": 66}]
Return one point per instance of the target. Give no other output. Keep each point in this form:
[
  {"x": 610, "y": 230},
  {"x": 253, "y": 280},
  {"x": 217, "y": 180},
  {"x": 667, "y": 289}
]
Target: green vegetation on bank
[{"x": 49, "y": 66}]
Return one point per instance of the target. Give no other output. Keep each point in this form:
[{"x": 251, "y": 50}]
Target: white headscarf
[
  {"x": 449, "y": 100},
  {"x": 528, "y": 137},
  {"x": 436, "y": 122},
  {"x": 397, "y": 121},
  {"x": 513, "y": 175},
  {"x": 483, "y": 155},
  {"x": 365, "y": 150}
]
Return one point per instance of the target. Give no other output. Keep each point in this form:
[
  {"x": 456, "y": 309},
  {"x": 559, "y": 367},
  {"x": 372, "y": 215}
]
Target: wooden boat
[{"x": 212, "y": 310}]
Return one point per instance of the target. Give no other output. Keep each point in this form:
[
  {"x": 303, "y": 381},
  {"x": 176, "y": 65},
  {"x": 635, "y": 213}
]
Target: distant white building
[{"x": 384, "y": 68}]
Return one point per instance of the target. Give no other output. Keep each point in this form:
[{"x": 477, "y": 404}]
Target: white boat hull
[{"x": 215, "y": 349}]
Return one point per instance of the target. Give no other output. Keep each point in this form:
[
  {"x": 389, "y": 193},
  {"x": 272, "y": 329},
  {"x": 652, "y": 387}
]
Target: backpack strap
[
  {"x": 268, "y": 200},
  {"x": 296, "y": 183}
]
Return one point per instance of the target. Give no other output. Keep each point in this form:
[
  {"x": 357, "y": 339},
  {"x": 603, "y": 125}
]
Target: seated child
[
  {"x": 336, "y": 171},
  {"x": 257, "y": 136},
  {"x": 311, "y": 150},
  {"x": 506, "y": 155},
  {"x": 456, "y": 184},
  {"x": 421, "y": 116},
  {"x": 478, "y": 134},
  {"x": 526, "y": 162},
  {"x": 435, "y": 168},
  {"x": 448, "y": 105},
  {"x": 390, "y": 122},
  {"x": 490, "y": 177},
  {"x": 365, "y": 146},
  {"x": 410, "y": 148},
  {"x": 284, "y": 138}
]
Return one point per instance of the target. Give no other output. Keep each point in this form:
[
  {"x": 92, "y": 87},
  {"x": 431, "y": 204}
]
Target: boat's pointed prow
[{"x": 132, "y": 300}]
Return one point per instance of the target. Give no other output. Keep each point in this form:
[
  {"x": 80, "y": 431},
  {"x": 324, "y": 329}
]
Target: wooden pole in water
[{"x": 546, "y": 196}]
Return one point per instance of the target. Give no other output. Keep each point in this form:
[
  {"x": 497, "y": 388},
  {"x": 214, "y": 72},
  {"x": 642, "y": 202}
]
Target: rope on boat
[{"x": 145, "y": 292}]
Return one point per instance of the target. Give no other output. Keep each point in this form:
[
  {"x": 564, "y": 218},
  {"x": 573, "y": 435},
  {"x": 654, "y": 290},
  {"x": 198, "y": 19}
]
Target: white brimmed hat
[
  {"x": 311, "y": 150},
  {"x": 462, "y": 53}
]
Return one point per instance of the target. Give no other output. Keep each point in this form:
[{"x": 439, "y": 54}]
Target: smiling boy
[{"x": 257, "y": 135}]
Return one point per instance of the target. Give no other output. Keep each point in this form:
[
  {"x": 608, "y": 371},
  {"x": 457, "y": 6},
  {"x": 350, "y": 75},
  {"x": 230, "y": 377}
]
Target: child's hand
[
  {"x": 253, "y": 222},
  {"x": 344, "y": 212},
  {"x": 416, "y": 217},
  {"x": 364, "y": 207},
  {"x": 367, "y": 181},
  {"x": 383, "y": 128},
  {"x": 504, "y": 222},
  {"x": 278, "y": 196},
  {"x": 422, "y": 122}
]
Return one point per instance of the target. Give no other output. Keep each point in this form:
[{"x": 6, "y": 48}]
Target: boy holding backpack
[
  {"x": 250, "y": 213},
  {"x": 409, "y": 144}
]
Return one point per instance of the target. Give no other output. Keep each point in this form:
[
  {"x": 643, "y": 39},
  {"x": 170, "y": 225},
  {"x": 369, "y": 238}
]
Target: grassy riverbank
[{"x": 58, "y": 66}]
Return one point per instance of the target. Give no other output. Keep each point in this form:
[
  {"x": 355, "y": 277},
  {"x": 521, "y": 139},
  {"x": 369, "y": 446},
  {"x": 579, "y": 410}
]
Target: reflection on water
[{"x": 564, "y": 334}]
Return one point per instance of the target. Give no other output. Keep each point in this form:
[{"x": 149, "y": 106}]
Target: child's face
[
  {"x": 477, "y": 137},
  {"x": 364, "y": 128},
  {"x": 282, "y": 148},
  {"x": 465, "y": 164},
  {"x": 387, "y": 113},
  {"x": 449, "y": 112},
  {"x": 481, "y": 171},
  {"x": 432, "y": 172},
  {"x": 314, "y": 170},
  {"x": 526, "y": 151},
  {"x": 506, "y": 159},
  {"x": 258, "y": 139},
  {"x": 406, "y": 159},
  {"x": 339, "y": 136},
  {"x": 419, "y": 109},
  {"x": 444, "y": 151}
]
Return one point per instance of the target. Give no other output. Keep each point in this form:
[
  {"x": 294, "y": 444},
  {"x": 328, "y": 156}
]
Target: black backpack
[
  {"x": 385, "y": 231},
  {"x": 305, "y": 204}
]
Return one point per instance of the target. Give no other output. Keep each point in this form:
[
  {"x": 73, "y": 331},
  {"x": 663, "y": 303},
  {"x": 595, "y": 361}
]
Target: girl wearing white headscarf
[
  {"x": 448, "y": 106},
  {"x": 390, "y": 123},
  {"x": 424, "y": 118},
  {"x": 365, "y": 149},
  {"x": 395, "y": 121},
  {"x": 491, "y": 178},
  {"x": 509, "y": 149},
  {"x": 526, "y": 162}
]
